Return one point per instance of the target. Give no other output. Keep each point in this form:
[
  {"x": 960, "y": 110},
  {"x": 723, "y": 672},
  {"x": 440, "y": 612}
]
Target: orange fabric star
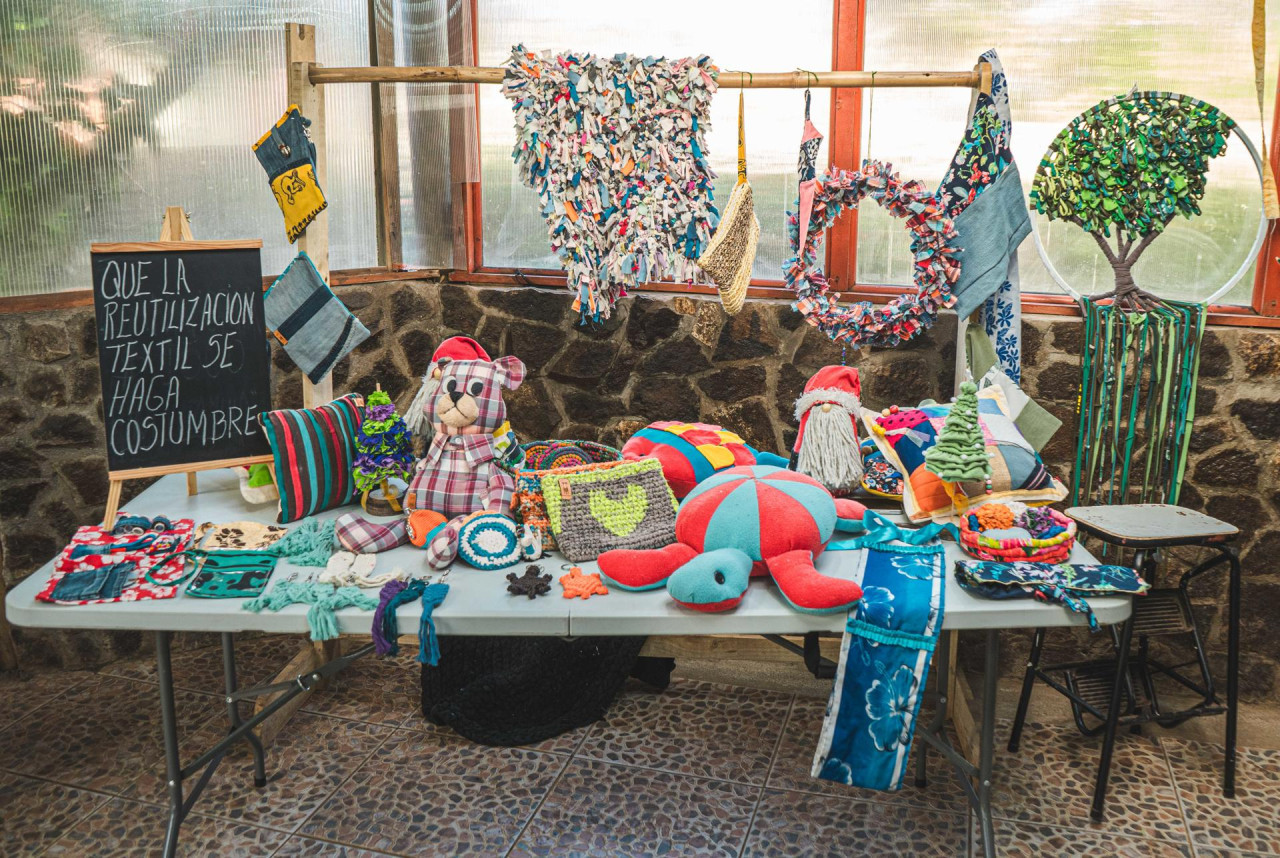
[{"x": 578, "y": 584}]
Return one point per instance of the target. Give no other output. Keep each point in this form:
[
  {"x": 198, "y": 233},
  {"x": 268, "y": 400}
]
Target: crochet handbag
[
  {"x": 628, "y": 505},
  {"x": 732, "y": 250},
  {"x": 547, "y": 457}
]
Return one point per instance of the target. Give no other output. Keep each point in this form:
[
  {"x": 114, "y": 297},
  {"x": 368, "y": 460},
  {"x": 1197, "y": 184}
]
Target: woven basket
[
  {"x": 553, "y": 457},
  {"x": 1055, "y": 549}
]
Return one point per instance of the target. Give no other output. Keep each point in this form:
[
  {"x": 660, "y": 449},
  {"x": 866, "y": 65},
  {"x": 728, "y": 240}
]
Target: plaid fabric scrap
[{"x": 368, "y": 537}]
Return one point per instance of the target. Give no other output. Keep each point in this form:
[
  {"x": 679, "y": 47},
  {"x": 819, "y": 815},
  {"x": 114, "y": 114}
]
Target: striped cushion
[{"x": 314, "y": 450}]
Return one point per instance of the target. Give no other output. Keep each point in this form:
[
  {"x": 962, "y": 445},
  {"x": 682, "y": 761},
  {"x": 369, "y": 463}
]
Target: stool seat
[{"x": 1151, "y": 525}]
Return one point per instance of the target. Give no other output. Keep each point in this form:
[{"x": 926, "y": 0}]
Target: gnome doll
[{"x": 827, "y": 446}]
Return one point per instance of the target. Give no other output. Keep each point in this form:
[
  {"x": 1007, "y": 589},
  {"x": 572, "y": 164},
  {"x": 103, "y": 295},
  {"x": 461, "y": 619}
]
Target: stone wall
[{"x": 659, "y": 357}]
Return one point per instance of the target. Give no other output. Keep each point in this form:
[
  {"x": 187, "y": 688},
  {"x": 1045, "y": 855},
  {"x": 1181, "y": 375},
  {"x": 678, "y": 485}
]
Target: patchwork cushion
[
  {"x": 1017, "y": 472},
  {"x": 314, "y": 327},
  {"x": 314, "y": 450}
]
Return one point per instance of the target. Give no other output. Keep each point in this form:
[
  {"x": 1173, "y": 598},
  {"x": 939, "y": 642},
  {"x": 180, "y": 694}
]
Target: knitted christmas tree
[
  {"x": 960, "y": 455},
  {"x": 383, "y": 448}
]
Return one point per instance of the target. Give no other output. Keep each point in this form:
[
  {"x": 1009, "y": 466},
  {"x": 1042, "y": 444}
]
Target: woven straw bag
[
  {"x": 554, "y": 457},
  {"x": 732, "y": 250}
]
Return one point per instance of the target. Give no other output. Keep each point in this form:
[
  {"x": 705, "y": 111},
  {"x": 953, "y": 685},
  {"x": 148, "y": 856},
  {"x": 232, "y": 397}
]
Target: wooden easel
[{"x": 174, "y": 227}]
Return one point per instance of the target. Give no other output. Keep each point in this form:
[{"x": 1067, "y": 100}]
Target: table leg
[
  {"x": 1028, "y": 682},
  {"x": 233, "y": 708},
  {"x": 1233, "y": 671},
  {"x": 1113, "y": 718},
  {"x": 986, "y": 751},
  {"x": 169, "y": 734}
]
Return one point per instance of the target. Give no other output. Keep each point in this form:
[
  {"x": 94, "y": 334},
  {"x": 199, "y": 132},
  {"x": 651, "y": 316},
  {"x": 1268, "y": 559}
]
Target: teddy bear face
[{"x": 468, "y": 397}]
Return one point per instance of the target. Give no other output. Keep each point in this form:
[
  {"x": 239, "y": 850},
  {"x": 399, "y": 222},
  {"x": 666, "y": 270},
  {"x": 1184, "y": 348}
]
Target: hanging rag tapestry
[
  {"x": 934, "y": 271},
  {"x": 982, "y": 192},
  {"x": 888, "y": 643},
  {"x": 1137, "y": 402},
  {"x": 615, "y": 147}
]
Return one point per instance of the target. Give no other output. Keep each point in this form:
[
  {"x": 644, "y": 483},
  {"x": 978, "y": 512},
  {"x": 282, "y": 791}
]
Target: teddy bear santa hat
[
  {"x": 454, "y": 348},
  {"x": 827, "y": 446}
]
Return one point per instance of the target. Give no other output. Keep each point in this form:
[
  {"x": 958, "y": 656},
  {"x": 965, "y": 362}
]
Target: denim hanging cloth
[
  {"x": 982, "y": 193},
  {"x": 888, "y": 643}
]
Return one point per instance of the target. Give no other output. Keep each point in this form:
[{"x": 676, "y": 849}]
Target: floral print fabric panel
[
  {"x": 884, "y": 662},
  {"x": 615, "y": 147}
]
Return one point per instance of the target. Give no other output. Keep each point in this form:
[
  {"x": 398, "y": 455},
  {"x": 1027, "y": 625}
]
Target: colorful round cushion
[
  {"x": 489, "y": 540},
  {"x": 689, "y": 452},
  {"x": 726, "y": 509}
]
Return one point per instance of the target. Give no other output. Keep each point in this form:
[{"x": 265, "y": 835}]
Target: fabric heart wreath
[{"x": 936, "y": 267}]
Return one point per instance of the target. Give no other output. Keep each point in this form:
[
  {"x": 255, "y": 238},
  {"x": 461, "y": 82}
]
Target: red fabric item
[
  {"x": 808, "y": 590},
  {"x": 460, "y": 348},
  {"x": 644, "y": 570}
]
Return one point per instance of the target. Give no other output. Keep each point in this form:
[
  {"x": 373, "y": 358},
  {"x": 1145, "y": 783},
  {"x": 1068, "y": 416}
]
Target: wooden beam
[
  {"x": 727, "y": 79},
  {"x": 300, "y": 58},
  {"x": 461, "y": 201},
  {"x": 386, "y": 147},
  {"x": 8, "y": 650}
]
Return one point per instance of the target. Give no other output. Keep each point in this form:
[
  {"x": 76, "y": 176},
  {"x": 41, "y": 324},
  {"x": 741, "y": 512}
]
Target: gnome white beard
[{"x": 829, "y": 450}]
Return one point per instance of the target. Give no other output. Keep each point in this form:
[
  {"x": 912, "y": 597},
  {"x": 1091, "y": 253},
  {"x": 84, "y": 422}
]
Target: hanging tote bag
[{"x": 732, "y": 250}]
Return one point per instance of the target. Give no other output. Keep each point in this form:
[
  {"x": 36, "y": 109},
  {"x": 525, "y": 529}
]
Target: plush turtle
[{"x": 742, "y": 522}]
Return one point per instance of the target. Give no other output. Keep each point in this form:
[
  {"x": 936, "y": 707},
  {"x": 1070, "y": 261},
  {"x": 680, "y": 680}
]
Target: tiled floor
[{"x": 701, "y": 769}]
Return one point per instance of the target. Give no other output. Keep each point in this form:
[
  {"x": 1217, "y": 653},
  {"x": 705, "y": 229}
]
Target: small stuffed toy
[
  {"x": 827, "y": 447},
  {"x": 741, "y": 523},
  {"x": 461, "y": 473}
]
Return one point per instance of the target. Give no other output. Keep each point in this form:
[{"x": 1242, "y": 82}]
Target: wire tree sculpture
[{"x": 1129, "y": 166}]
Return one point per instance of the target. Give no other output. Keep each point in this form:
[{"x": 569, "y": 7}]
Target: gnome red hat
[
  {"x": 827, "y": 446},
  {"x": 453, "y": 348}
]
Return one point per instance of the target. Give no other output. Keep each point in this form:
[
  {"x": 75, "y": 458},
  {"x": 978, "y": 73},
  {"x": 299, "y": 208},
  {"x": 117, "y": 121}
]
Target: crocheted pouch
[
  {"x": 628, "y": 505},
  {"x": 231, "y": 574},
  {"x": 732, "y": 250},
  {"x": 553, "y": 457}
]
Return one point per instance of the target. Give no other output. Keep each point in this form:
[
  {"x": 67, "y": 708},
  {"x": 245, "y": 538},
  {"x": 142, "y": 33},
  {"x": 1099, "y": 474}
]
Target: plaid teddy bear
[{"x": 461, "y": 472}]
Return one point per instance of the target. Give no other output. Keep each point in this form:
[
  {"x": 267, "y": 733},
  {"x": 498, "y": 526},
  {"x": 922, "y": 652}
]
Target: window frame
[{"x": 844, "y": 147}]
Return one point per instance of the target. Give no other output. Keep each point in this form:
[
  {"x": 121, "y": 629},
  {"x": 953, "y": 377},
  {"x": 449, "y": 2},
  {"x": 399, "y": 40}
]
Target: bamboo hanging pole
[{"x": 727, "y": 79}]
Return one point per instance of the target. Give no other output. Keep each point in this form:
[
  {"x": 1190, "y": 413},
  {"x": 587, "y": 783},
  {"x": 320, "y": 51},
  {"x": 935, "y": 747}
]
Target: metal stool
[{"x": 1121, "y": 691}]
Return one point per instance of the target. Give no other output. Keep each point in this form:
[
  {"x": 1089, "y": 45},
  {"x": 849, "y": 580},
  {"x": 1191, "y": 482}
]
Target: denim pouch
[
  {"x": 105, "y": 582},
  {"x": 289, "y": 157},
  {"x": 231, "y": 574},
  {"x": 307, "y": 319}
]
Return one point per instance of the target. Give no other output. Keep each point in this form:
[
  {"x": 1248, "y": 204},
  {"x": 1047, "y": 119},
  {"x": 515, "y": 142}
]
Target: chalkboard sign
[{"x": 183, "y": 354}]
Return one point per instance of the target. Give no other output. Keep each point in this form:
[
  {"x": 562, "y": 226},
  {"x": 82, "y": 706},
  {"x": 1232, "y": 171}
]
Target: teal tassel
[
  {"x": 308, "y": 544},
  {"x": 428, "y": 644},
  {"x": 324, "y": 599}
]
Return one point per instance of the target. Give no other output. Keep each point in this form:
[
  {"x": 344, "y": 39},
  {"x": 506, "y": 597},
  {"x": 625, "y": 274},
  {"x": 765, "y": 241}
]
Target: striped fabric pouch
[
  {"x": 314, "y": 450},
  {"x": 307, "y": 319}
]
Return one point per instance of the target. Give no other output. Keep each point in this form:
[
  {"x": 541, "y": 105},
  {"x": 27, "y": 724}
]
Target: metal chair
[{"x": 1121, "y": 691}]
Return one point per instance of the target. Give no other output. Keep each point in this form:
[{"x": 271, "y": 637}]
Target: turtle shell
[{"x": 760, "y": 510}]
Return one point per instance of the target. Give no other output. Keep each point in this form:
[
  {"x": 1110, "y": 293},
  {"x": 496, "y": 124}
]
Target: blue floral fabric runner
[{"x": 888, "y": 643}]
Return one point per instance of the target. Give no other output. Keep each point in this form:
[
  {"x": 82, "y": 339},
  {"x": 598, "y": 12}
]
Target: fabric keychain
[
  {"x": 386, "y": 628},
  {"x": 289, "y": 157},
  {"x": 731, "y": 253},
  {"x": 323, "y": 600},
  {"x": 890, "y": 635},
  {"x": 308, "y": 544},
  {"x": 810, "y": 143},
  {"x": 347, "y": 569}
]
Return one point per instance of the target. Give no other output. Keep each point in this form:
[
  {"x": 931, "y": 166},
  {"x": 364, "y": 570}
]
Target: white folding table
[{"x": 478, "y": 604}]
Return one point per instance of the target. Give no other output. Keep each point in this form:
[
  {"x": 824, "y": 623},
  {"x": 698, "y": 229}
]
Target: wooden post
[
  {"x": 300, "y": 56},
  {"x": 8, "y": 651},
  {"x": 386, "y": 150}
]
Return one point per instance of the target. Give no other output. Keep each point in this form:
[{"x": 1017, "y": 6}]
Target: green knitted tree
[
  {"x": 960, "y": 454},
  {"x": 384, "y": 448}
]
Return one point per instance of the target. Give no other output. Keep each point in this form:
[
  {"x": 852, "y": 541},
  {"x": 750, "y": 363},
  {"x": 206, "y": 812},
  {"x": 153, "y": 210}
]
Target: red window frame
[{"x": 844, "y": 147}]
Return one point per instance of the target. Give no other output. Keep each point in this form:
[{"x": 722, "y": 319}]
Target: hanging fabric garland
[
  {"x": 935, "y": 267},
  {"x": 616, "y": 149}
]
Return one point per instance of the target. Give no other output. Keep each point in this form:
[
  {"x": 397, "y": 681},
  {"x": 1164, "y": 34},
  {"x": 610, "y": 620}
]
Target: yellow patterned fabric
[{"x": 299, "y": 198}]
